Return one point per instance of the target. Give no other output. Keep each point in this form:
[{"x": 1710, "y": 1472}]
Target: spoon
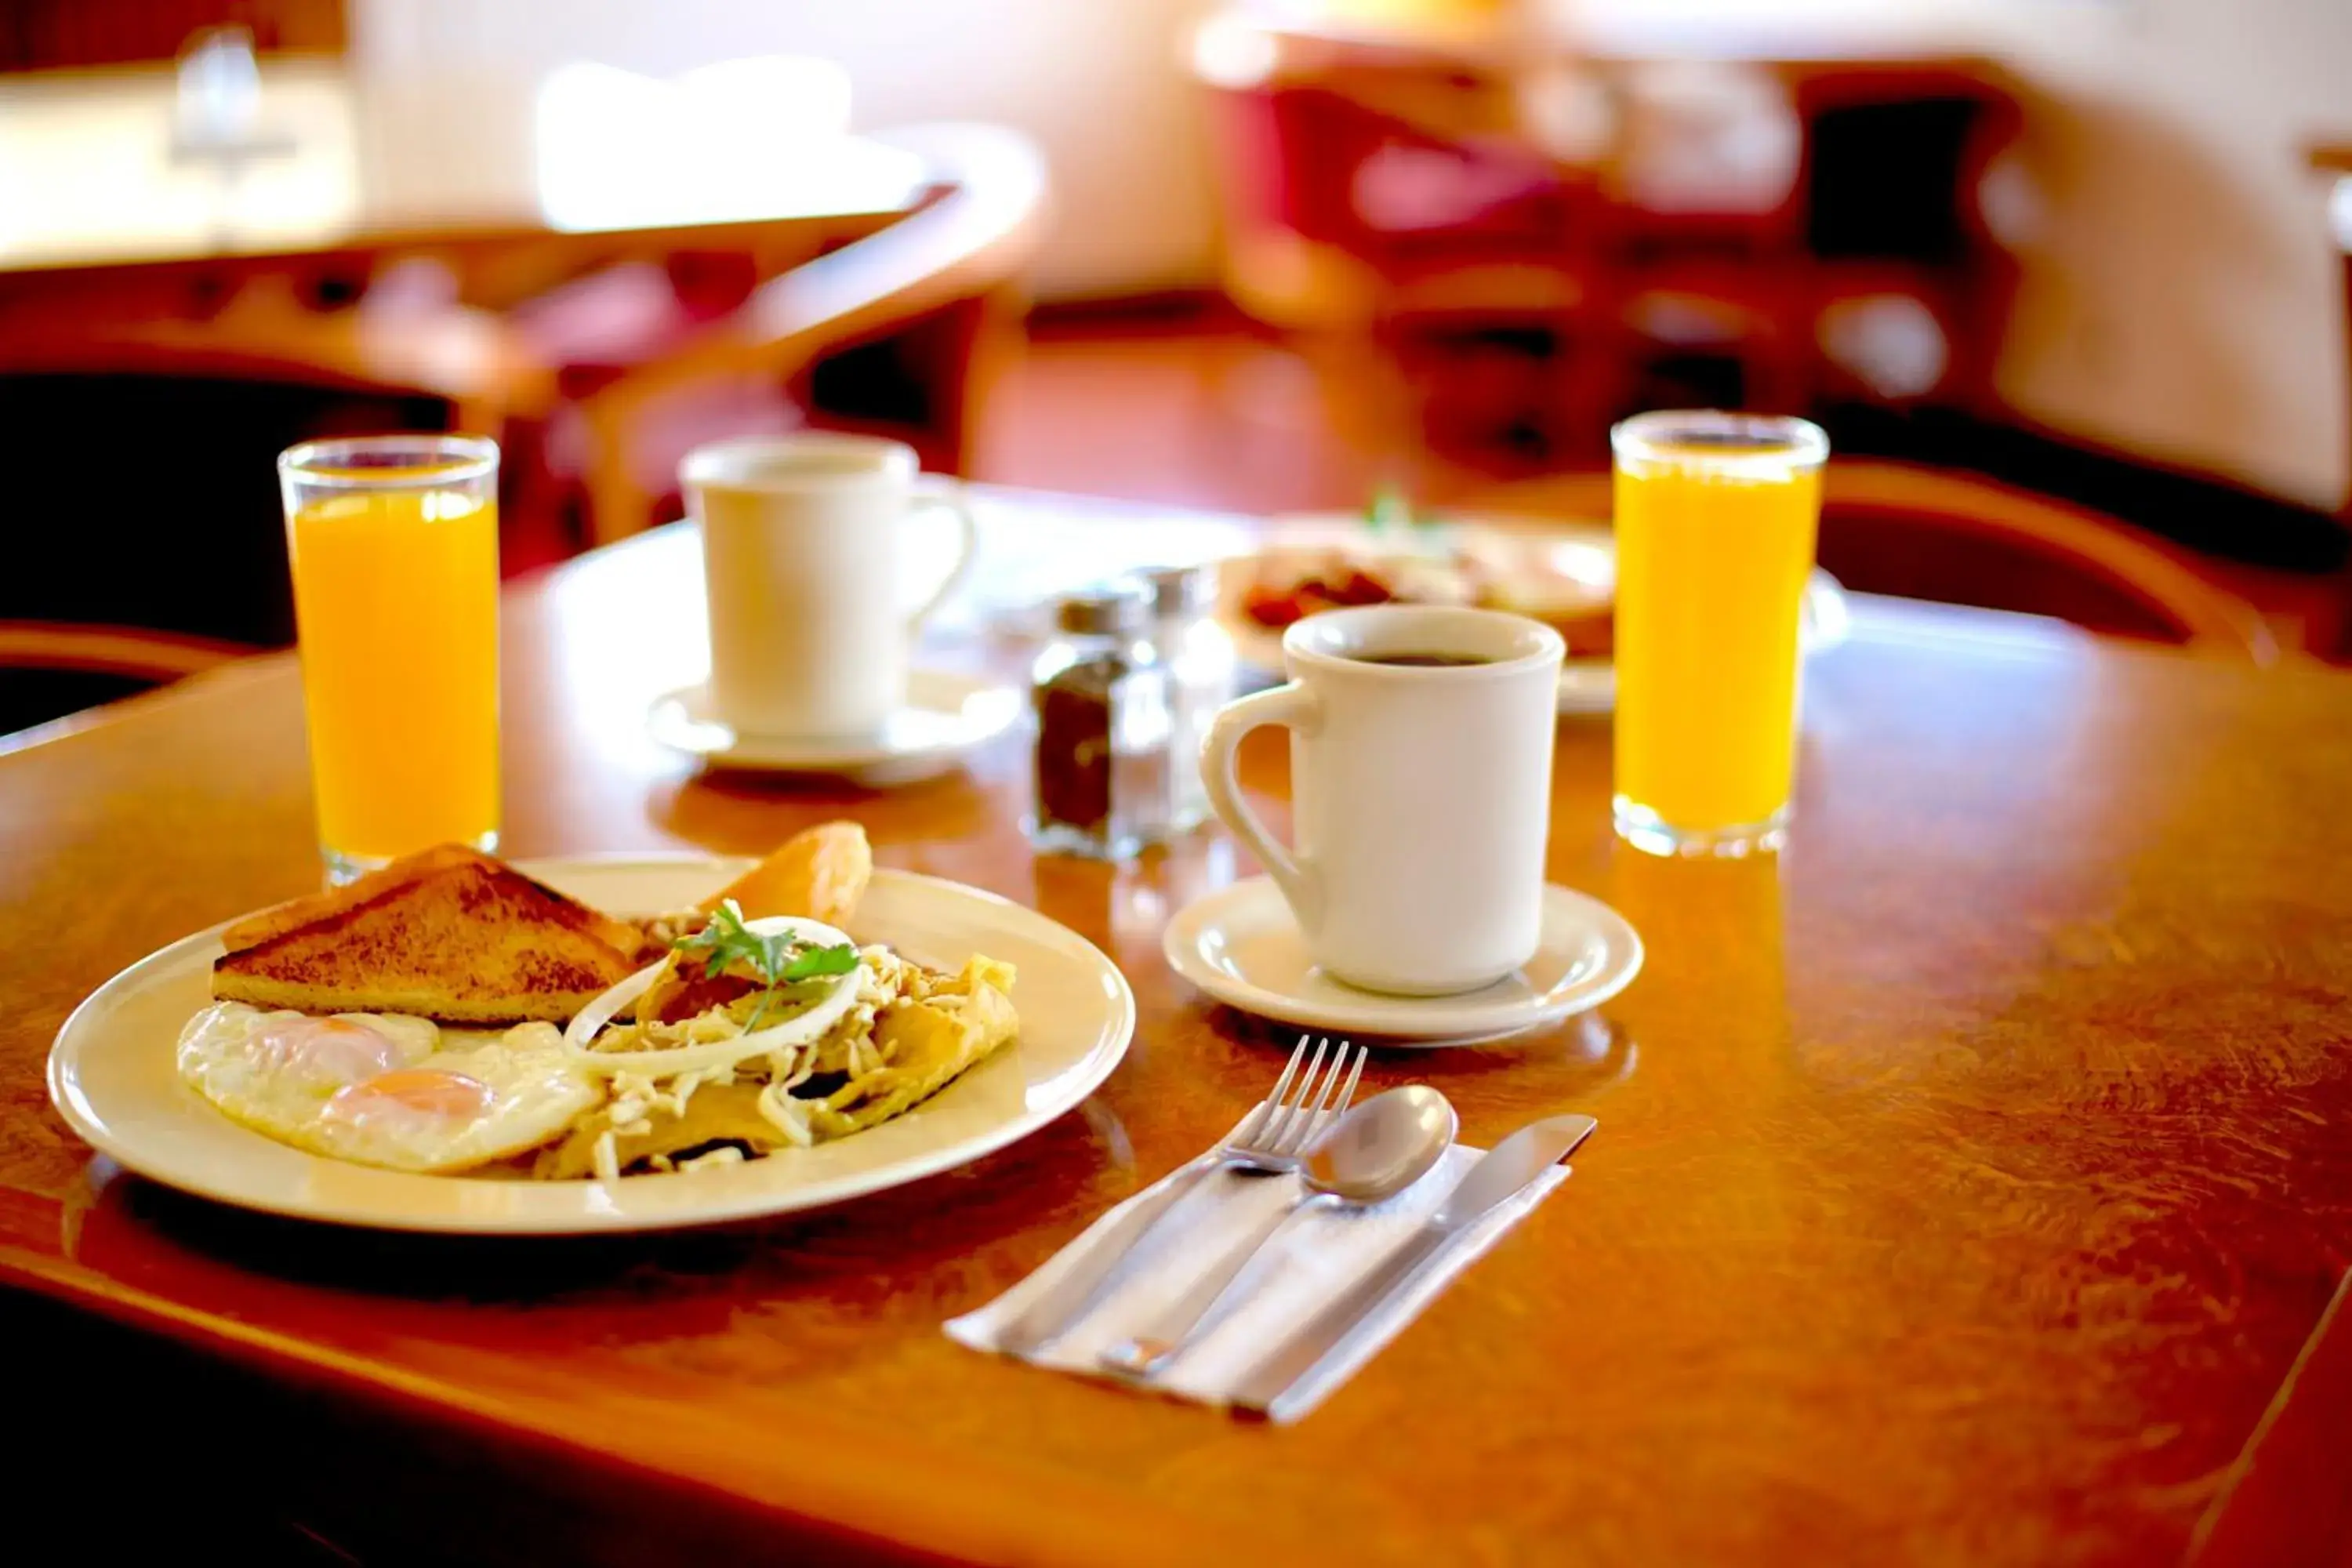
[{"x": 1374, "y": 1152}]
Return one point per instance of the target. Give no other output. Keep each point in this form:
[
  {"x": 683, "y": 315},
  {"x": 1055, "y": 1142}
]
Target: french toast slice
[{"x": 449, "y": 934}]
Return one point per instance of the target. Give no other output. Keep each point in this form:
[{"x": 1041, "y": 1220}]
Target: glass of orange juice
[
  {"x": 394, "y": 545},
  {"x": 1716, "y": 516}
]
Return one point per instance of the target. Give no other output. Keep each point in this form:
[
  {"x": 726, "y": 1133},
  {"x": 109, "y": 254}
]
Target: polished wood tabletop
[{"x": 1971, "y": 1178}]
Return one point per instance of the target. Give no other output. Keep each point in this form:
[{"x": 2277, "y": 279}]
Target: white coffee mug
[
  {"x": 1420, "y": 791},
  {"x": 803, "y": 552}
]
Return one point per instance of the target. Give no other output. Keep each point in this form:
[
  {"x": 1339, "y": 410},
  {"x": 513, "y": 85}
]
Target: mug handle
[
  {"x": 938, "y": 490},
  {"x": 1294, "y": 707}
]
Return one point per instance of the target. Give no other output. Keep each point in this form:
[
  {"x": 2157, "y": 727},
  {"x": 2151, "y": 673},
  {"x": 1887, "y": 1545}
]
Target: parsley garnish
[
  {"x": 779, "y": 957},
  {"x": 1390, "y": 510}
]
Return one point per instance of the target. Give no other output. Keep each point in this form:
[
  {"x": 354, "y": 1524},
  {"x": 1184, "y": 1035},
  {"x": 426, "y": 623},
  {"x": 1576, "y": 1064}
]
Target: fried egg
[{"x": 385, "y": 1090}]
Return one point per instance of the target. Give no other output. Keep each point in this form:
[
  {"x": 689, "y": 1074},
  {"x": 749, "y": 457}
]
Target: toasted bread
[
  {"x": 448, "y": 934},
  {"x": 819, "y": 873}
]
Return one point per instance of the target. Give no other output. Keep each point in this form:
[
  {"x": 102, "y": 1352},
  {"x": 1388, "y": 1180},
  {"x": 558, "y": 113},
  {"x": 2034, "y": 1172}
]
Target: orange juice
[
  {"x": 396, "y": 603},
  {"x": 1715, "y": 542}
]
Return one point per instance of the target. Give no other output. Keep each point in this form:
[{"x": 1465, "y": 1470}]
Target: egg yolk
[
  {"x": 332, "y": 1049},
  {"x": 413, "y": 1093}
]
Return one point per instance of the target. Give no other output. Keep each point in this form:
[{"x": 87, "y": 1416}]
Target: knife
[{"x": 1513, "y": 1165}]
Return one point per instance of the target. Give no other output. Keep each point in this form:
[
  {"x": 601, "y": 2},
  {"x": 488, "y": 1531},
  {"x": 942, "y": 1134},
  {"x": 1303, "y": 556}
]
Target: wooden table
[
  {"x": 1969, "y": 1180},
  {"x": 349, "y": 161}
]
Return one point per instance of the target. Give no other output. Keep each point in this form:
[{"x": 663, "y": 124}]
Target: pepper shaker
[{"x": 1104, "y": 727}]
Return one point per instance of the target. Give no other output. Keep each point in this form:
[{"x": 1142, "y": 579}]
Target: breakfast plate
[
  {"x": 112, "y": 1076},
  {"x": 1241, "y": 946},
  {"x": 946, "y": 715},
  {"x": 1561, "y": 571}
]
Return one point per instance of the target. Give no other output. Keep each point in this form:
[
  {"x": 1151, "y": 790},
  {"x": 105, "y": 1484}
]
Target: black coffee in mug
[{"x": 1424, "y": 660}]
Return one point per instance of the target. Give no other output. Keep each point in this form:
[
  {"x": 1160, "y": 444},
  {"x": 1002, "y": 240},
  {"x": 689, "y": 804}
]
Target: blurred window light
[
  {"x": 1707, "y": 136},
  {"x": 741, "y": 140},
  {"x": 218, "y": 91},
  {"x": 1892, "y": 343},
  {"x": 1230, "y": 52},
  {"x": 2011, "y": 203},
  {"x": 1766, "y": 29},
  {"x": 1567, "y": 109}
]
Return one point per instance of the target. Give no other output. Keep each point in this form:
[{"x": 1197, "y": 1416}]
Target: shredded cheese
[
  {"x": 625, "y": 1052},
  {"x": 656, "y": 1070}
]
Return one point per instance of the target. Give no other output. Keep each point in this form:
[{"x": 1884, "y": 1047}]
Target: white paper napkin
[{"x": 1319, "y": 1253}]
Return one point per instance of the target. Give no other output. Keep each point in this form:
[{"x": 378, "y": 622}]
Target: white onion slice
[{"x": 810, "y": 1026}]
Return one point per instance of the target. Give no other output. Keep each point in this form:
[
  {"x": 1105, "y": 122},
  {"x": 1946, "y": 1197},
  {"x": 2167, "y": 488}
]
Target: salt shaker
[
  {"x": 1200, "y": 660},
  {"x": 1100, "y": 691}
]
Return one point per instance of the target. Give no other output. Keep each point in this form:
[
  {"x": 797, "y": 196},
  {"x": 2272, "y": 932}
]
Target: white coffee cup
[
  {"x": 1420, "y": 794},
  {"x": 803, "y": 558}
]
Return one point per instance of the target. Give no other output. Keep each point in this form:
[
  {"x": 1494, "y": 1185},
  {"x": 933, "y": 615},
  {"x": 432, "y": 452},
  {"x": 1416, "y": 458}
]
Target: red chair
[{"x": 1375, "y": 199}]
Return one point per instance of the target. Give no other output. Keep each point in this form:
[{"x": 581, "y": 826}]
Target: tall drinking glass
[
  {"x": 394, "y": 542},
  {"x": 1716, "y": 516}
]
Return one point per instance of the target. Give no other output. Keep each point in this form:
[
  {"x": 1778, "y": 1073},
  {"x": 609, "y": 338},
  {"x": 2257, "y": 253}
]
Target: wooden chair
[
  {"x": 51, "y": 668},
  {"x": 154, "y": 476},
  {"x": 1889, "y": 528},
  {"x": 952, "y": 269}
]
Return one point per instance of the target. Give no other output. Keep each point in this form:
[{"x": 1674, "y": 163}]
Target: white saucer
[
  {"x": 946, "y": 715},
  {"x": 1242, "y": 947}
]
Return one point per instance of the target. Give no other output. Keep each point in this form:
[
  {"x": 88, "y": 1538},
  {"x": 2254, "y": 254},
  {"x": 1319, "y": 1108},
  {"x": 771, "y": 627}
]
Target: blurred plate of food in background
[{"x": 1562, "y": 571}]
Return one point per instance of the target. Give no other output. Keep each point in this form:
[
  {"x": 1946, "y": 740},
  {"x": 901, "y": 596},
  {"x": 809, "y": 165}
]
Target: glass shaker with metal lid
[
  {"x": 1201, "y": 668},
  {"x": 1104, "y": 728}
]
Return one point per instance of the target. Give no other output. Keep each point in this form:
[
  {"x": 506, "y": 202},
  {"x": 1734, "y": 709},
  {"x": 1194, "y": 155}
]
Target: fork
[
  {"x": 1175, "y": 1326},
  {"x": 1267, "y": 1141}
]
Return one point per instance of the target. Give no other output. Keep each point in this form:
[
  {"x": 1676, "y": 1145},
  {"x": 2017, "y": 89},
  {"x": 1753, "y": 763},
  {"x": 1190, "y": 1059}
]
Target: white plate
[
  {"x": 113, "y": 1077},
  {"x": 1241, "y": 946},
  {"x": 1586, "y": 552},
  {"x": 946, "y": 715}
]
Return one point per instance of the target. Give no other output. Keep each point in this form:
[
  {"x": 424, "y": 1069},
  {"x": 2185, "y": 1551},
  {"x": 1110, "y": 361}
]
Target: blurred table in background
[
  {"x": 338, "y": 166},
  {"x": 306, "y": 217}
]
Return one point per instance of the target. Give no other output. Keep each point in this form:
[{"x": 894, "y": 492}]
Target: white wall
[
  {"x": 2187, "y": 300},
  {"x": 2183, "y": 300}
]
